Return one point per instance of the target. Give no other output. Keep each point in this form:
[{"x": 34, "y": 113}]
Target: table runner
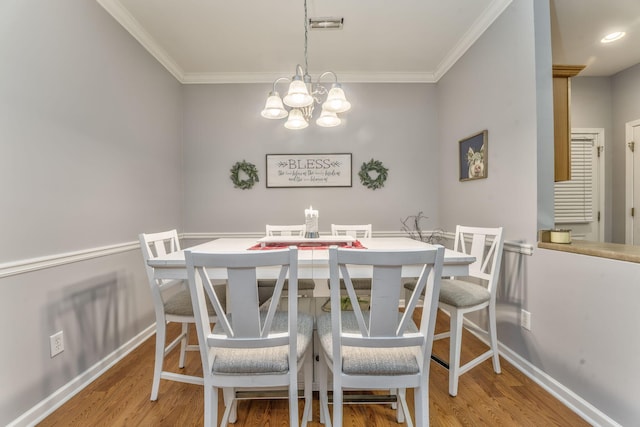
[{"x": 307, "y": 245}]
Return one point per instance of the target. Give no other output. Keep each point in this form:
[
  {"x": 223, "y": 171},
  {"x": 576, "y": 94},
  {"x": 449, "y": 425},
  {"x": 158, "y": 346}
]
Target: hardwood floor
[{"x": 120, "y": 397}]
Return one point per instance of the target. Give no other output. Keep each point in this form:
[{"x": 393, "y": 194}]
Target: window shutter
[{"x": 574, "y": 198}]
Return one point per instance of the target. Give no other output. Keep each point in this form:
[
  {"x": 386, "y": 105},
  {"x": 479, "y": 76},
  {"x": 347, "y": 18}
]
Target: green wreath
[
  {"x": 373, "y": 166},
  {"x": 248, "y": 169}
]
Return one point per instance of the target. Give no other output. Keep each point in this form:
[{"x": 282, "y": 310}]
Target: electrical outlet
[
  {"x": 56, "y": 342},
  {"x": 525, "y": 319}
]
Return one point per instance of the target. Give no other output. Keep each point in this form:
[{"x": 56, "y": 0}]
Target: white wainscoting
[{"x": 27, "y": 265}]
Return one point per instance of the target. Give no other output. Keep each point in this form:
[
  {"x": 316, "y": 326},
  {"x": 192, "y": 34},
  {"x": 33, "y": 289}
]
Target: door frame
[{"x": 629, "y": 179}]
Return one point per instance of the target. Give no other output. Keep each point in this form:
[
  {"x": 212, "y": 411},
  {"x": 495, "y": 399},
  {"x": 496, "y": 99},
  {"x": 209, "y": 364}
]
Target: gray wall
[
  {"x": 583, "y": 309},
  {"x": 90, "y": 129},
  {"x": 396, "y": 124},
  {"x": 87, "y": 118},
  {"x": 489, "y": 88}
]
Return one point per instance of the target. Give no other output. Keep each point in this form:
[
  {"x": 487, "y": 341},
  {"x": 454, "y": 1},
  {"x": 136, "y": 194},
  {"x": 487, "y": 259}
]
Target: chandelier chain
[{"x": 306, "y": 65}]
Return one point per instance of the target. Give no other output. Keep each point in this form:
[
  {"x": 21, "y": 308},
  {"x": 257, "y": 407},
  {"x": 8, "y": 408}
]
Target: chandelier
[{"x": 303, "y": 95}]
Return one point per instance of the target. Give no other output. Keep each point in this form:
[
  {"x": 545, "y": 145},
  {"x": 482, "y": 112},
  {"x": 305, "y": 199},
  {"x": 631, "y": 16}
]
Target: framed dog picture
[{"x": 474, "y": 156}]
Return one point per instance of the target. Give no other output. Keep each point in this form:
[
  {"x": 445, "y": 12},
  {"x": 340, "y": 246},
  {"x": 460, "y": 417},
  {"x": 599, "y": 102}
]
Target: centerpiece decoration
[
  {"x": 411, "y": 225},
  {"x": 311, "y": 223}
]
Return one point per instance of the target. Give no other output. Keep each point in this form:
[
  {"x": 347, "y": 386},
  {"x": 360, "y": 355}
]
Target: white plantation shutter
[{"x": 574, "y": 198}]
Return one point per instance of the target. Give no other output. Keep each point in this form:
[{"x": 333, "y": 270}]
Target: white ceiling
[
  {"x": 578, "y": 25},
  {"x": 213, "y": 41}
]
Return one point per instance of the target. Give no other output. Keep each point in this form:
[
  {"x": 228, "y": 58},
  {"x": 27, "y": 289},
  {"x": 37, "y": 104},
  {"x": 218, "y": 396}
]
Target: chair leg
[
  {"x": 308, "y": 389},
  {"x": 293, "y": 398},
  {"x": 421, "y": 404},
  {"x": 161, "y": 336},
  {"x": 183, "y": 344},
  {"x": 455, "y": 342},
  {"x": 229, "y": 397},
  {"x": 230, "y": 410},
  {"x": 337, "y": 400},
  {"x": 210, "y": 406},
  {"x": 493, "y": 338},
  {"x": 401, "y": 410},
  {"x": 325, "y": 417}
]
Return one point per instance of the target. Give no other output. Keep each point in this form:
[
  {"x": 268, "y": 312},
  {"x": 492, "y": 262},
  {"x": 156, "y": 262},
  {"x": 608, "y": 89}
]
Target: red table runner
[{"x": 307, "y": 245}]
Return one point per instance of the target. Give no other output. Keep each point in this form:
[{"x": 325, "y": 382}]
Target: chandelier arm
[
  {"x": 335, "y": 76},
  {"x": 278, "y": 80},
  {"x": 300, "y": 71}
]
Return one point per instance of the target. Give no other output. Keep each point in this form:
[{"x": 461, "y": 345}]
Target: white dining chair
[
  {"x": 251, "y": 346},
  {"x": 285, "y": 230},
  {"x": 462, "y": 295},
  {"x": 357, "y": 231},
  {"x": 172, "y": 303},
  {"x": 305, "y": 286},
  {"x": 379, "y": 348}
]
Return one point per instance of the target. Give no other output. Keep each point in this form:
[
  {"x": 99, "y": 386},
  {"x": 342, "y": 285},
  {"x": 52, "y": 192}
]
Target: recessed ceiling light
[{"x": 613, "y": 37}]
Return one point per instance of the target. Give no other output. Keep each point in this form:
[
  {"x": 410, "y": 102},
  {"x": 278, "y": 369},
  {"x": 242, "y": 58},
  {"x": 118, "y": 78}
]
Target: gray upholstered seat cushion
[
  {"x": 358, "y": 284},
  {"x": 368, "y": 361},
  {"x": 303, "y": 284},
  {"x": 263, "y": 361},
  {"x": 459, "y": 293},
  {"x": 180, "y": 303}
]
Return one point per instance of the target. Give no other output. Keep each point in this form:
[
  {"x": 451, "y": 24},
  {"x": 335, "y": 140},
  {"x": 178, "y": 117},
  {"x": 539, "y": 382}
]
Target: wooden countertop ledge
[{"x": 615, "y": 251}]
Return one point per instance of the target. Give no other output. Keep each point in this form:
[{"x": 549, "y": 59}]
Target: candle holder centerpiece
[{"x": 311, "y": 223}]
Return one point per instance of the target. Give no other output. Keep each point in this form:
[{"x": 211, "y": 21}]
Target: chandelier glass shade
[
  {"x": 296, "y": 120},
  {"x": 303, "y": 95}
]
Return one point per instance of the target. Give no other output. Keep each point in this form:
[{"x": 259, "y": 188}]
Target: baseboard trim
[
  {"x": 47, "y": 406},
  {"x": 577, "y": 404}
]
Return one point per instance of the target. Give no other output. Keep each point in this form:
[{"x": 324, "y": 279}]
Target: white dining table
[{"x": 312, "y": 263}]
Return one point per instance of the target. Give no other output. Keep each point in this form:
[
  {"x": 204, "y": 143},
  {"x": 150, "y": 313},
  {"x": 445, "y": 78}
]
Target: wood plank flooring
[{"x": 120, "y": 397}]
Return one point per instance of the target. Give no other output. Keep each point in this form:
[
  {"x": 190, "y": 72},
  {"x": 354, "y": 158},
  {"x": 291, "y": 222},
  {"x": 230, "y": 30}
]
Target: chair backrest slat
[
  {"x": 383, "y": 325},
  {"x": 486, "y": 247},
  {"x": 244, "y": 323},
  {"x": 152, "y": 246},
  {"x": 357, "y": 231},
  {"x": 285, "y": 230}
]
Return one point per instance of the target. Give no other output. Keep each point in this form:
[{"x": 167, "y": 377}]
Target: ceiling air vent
[{"x": 326, "y": 23}]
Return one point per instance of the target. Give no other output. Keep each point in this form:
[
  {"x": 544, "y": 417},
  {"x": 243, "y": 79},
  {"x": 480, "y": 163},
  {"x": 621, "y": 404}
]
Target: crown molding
[
  {"x": 122, "y": 15},
  {"x": 124, "y": 18},
  {"x": 478, "y": 28},
  {"x": 344, "y": 77}
]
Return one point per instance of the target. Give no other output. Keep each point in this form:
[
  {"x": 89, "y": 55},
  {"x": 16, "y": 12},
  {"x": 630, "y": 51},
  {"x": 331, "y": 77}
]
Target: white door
[
  {"x": 633, "y": 183},
  {"x": 579, "y": 202}
]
